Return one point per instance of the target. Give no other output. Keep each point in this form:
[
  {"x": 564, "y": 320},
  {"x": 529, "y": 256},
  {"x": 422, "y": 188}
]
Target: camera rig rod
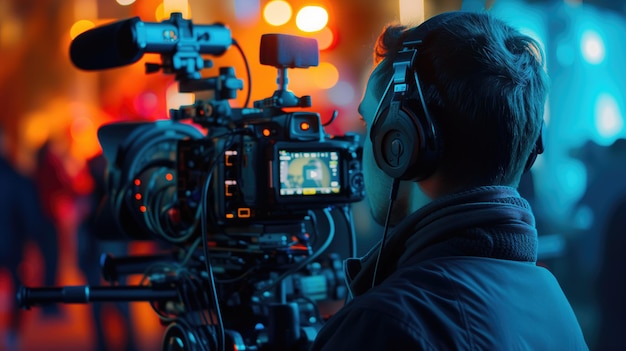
[{"x": 28, "y": 297}]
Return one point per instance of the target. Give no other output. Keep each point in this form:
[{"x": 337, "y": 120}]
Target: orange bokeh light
[
  {"x": 166, "y": 8},
  {"x": 312, "y": 18},
  {"x": 80, "y": 26},
  {"x": 325, "y": 39},
  {"x": 325, "y": 76},
  {"x": 277, "y": 12}
]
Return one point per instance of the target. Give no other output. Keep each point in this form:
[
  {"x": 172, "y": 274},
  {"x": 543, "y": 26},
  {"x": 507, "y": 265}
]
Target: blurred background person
[
  {"x": 22, "y": 220},
  {"x": 92, "y": 244}
]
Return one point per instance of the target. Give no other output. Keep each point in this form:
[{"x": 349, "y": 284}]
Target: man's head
[{"x": 484, "y": 86}]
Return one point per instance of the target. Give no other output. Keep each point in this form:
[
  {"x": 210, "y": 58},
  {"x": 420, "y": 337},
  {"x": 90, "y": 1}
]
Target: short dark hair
[{"x": 485, "y": 86}]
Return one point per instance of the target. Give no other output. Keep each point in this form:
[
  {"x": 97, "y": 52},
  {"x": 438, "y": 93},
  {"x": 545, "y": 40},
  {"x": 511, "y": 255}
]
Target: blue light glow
[
  {"x": 608, "y": 118},
  {"x": 585, "y": 55},
  {"x": 592, "y": 47}
]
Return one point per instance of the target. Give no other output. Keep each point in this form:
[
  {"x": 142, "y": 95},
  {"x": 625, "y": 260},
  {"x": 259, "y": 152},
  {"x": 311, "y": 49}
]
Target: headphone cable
[{"x": 392, "y": 197}]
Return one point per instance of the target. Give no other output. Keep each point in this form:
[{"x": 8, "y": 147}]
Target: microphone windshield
[{"x": 108, "y": 46}]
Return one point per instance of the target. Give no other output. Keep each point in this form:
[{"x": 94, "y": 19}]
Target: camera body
[{"x": 281, "y": 167}]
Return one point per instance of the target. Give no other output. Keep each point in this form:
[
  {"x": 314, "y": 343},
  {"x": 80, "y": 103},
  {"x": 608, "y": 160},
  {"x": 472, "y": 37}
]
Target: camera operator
[{"x": 458, "y": 268}]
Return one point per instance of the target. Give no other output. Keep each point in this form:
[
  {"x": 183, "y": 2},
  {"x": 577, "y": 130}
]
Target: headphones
[
  {"x": 404, "y": 137},
  {"x": 403, "y": 134}
]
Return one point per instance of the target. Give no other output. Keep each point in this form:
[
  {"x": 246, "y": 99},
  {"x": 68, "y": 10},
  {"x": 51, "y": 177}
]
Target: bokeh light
[
  {"x": 35, "y": 133},
  {"x": 573, "y": 178},
  {"x": 277, "y": 12},
  {"x": 312, "y": 18},
  {"x": 247, "y": 11},
  {"x": 592, "y": 47},
  {"x": 10, "y": 31},
  {"x": 166, "y": 8},
  {"x": 325, "y": 76},
  {"x": 175, "y": 99},
  {"x": 146, "y": 103},
  {"x": 325, "y": 39},
  {"x": 159, "y": 13},
  {"x": 80, "y": 26},
  {"x": 608, "y": 118},
  {"x": 411, "y": 11},
  {"x": 182, "y": 6},
  {"x": 125, "y": 2},
  {"x": 84, "y": 142}
]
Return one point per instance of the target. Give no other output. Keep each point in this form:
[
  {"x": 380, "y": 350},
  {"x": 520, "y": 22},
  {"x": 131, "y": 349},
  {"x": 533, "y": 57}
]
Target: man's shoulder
[
  {"x": 397, "y": 312},
  {"x": 452, "y": 303},
  {"x": 371, "y": 324}
]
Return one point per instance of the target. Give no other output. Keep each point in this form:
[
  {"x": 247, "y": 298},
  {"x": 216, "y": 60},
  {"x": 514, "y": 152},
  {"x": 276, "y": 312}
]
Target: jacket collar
[{"x": 491, "y": 221}]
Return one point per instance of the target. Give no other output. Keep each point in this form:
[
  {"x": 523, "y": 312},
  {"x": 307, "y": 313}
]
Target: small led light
[
  {"x": 305, "y": 126},
  {"x": 243, "y": 212},
  {"x": 229, "y": 157},
  {"x": 266, "y": 132},
  {"x": 142, "y": 208},
  {"x": 229, "y": 187}
]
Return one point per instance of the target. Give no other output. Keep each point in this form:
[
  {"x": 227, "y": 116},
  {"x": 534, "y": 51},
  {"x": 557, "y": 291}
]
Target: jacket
[{"x": 458, "y": 274}]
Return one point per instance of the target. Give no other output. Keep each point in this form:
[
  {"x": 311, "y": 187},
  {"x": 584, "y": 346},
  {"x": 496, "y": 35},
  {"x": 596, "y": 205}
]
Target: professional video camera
[{"x": 236, "y": 192}]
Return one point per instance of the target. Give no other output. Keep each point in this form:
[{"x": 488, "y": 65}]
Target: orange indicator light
[{"x": 243, "y": 212}]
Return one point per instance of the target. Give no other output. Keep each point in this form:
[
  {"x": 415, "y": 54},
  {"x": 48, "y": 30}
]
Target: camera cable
[
  {"x": 248, "y": 73},
  {"x": 214, "y": 301},
  {"x": 347, "y": 213},
  {"x": 305, "y": 262},
  {"x": 392, "y": 197}
]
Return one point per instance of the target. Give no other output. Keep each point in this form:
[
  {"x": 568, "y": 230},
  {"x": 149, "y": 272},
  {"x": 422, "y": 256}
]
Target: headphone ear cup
[{"x": 402, "y": 147}]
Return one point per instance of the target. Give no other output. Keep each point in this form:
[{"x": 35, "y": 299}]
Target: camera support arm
[{"x": 28, "y": 297}]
